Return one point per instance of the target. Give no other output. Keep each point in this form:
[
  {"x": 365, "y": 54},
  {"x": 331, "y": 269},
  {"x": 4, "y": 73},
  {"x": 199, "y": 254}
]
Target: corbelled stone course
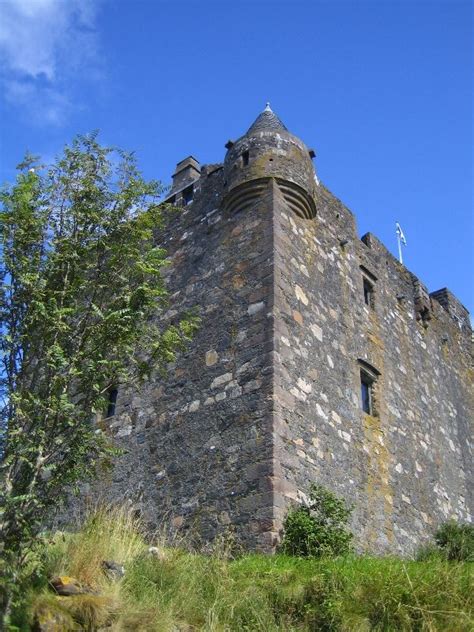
[{"x": 267, "y": 398}]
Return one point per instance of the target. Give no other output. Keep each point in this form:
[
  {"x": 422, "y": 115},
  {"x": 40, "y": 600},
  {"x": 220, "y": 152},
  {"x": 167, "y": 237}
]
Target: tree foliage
[
  {"x": 81, "y": 282},
  {"x": 318, "y": 528}
]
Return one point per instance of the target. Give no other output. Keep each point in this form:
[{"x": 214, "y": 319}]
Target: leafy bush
[
  {"x": 319, "y": 528},
  {"x": 456, "y": 541}
]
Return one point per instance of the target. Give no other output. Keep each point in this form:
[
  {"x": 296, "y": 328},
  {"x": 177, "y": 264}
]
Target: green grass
[{"x": 188, "y": 591}]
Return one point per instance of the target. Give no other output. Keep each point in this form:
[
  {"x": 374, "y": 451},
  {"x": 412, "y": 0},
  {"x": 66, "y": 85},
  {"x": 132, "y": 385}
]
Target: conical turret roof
[{"x": 267, "y": 121}]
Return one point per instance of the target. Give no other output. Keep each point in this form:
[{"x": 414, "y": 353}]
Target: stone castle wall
[
  {"x": 198, "y": 444},
  {"x": 267, "y": 398},
  {"x": 407, "y": 468}
]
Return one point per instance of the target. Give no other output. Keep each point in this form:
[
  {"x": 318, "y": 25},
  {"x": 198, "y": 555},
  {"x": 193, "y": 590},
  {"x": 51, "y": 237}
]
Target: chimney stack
[{"x": 187, "y": 172}]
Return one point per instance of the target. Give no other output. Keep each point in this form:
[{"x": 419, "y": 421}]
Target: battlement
[
  {"x": 454, "y": 307},
  {"x": 419, "y": 294},
  {"x": 245, "y": 183}
]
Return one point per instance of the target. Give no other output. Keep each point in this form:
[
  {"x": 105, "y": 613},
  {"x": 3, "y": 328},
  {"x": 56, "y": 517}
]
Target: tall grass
[
  {"x": 108, "y": 534},
  {"x": 187, "y": 591}
]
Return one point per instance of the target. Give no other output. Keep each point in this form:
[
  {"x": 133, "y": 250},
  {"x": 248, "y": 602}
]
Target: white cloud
[
  {"x": 44, "y": 46},
  {"x": 44, "y": 104}
]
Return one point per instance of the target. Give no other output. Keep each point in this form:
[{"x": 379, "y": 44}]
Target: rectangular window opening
[
  {"x": 368, "y": 293},
  {"x": 366, "y": 388},
  {"x": 187, "y": 195},
  {"x": 245, "y": 158},
  {"x": 369, "y": 377},
  {"x": 112, "y": 402}
]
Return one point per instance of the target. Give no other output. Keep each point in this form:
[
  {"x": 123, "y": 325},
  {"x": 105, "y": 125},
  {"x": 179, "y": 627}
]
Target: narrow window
[
  {"x": 187, "y": 195},
  {"x": 368, "y": 388},
  {"x": 245, "y": 158},
  {"x": 368, "y": 281},
  {"x": 366, "y": 393},
  {"x": 368, "y": 293},
  {"x": 112, "y": 402}
]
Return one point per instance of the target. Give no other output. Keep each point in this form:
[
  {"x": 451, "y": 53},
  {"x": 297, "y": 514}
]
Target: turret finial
[{"x": 267, "y": 121}]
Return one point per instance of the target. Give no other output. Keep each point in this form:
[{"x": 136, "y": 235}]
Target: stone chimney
[{"x": 187, "y": 172}]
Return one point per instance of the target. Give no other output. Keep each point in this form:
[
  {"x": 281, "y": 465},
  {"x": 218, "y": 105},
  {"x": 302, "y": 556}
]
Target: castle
[{"x": 320, "y": 358}]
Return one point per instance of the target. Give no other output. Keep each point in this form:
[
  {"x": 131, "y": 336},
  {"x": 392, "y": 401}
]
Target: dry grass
[
  {"x": 186, "y": 591},
  {"x": 109, "y": 534}
]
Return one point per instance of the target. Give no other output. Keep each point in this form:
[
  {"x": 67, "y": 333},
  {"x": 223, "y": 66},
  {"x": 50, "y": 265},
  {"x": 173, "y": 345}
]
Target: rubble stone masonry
[{"x": 267, "y": 398}]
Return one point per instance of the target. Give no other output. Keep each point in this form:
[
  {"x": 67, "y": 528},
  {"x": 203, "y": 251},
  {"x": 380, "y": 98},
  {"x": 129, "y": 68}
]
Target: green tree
[
  {"x": 318, "y": 528},
  {"x": 80, "y": 286}
]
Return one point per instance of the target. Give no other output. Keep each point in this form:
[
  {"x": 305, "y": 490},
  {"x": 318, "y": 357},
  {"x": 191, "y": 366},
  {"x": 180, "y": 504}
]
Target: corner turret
[{"x": 269, "y": 150}]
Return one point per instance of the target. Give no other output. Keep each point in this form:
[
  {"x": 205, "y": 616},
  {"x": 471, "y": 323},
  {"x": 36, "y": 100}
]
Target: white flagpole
[
  {"x": 400, "y": 240},
  {"x": 400, "y": 257}
]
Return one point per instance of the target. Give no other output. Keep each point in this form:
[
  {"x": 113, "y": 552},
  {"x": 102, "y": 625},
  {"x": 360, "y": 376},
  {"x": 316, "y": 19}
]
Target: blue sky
[{"x": 382, "y": 90}]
